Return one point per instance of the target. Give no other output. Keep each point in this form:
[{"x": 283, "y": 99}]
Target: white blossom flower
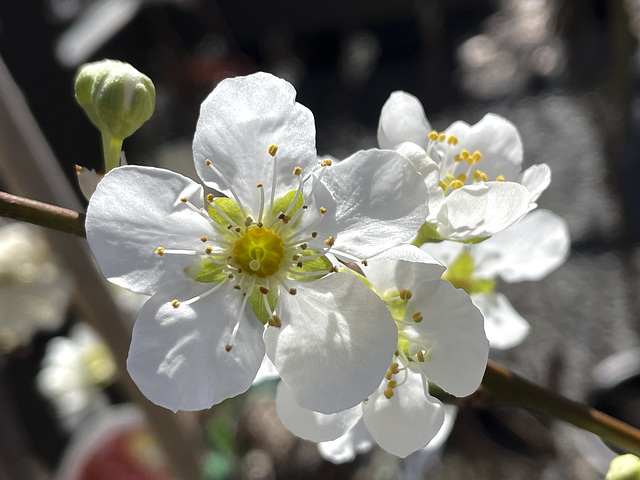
[
  {"x": 34, "y": 290},
  {"x": 528, "y": 250},
  {"x": 74, "y": 371},
  {"x": 440, "y": 340},
  {"x": 473, "y": 173},
  {"x": 219, "y": 271}
]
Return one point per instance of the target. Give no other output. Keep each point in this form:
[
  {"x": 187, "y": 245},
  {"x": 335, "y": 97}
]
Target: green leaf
[
  {"x": 320, "y": 264},
  {"x": 427, "y": 234},
  {"x": 206, "y": 271},
  {"x": 280, "y": 205}
]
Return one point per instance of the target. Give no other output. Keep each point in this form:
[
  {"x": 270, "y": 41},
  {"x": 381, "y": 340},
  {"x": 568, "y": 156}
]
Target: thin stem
[
  {"x": 43, "y": 214},
  {"x": 502, "y": 384},
  {"x": 111, "y": 147}
]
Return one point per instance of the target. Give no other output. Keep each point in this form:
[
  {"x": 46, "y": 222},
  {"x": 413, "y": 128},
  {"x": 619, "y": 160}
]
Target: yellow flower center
[{"x": 259, "y": 252}]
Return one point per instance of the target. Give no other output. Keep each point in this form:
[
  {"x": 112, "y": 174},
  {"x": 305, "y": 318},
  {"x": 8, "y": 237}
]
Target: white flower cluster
[{"x": 310, "y": 263}]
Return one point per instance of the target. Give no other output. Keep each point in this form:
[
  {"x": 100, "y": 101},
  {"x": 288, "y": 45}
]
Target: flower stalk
[{"x": 499, "y": 383}]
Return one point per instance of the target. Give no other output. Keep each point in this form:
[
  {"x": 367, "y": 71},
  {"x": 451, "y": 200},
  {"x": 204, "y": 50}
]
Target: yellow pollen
[
  {"x": 263, "y": 290},
  {"x": 207, "y": 161},
  {"x": 388, "y": 393},
  {"x": 442, "y": 185},
  {"x": 160, "y": 251},
  {"x": 184, "y": 199},
  {"x": 259, "y": 185},
  {"x": 259, "y": 252},
  {"x": 442, "y": 137},
  {"x": 433, "y": 135},
  {"x": 293, "y": 291},
  {"x": 228, "y": 348},
  {"x": 458, "y": 158},
  {"x": 456, "y": 184},
  {"x": 452, "y": 140},
  {"x": 273, "y": 149},
  {"x": 392, "y": 384},
  {"x": 388, "y": 375},
  {"x": 323, "y": 210},
  {"x": 210, "y": 197},
  {"x": 203, "y": 238},
  {"x": 464, "y": 153},
  {"x": 500, "y": 178},
  {"x": 462, "y": 177},
  {"x": 420, "y": 357},
  {"x": 275, "y": 321},
  {"x": 417, "y": 317},
  {"x": 394, "y": 368},
  {"x": 248, "y": 221},
  {"x": 297, "y": 171},
  {"x": 208, "y": 250},
  {"x": 326, "y": 163},
  {"x": 405, "y": 294},
  {"x": 175, "y": 303},
  {"x": 477, "y": 156},
  {"x": 329, "y": 241}
]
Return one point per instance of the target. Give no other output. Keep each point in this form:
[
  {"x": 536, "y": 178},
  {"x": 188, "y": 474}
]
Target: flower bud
[
  {"x": 117, "y": 98},
  {"x": 624, "y": 467}
]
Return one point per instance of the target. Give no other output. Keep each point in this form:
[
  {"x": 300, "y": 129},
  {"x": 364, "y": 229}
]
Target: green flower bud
[
  {"x": 117, "y": 98},
  {"x": 624, "y": 467}
]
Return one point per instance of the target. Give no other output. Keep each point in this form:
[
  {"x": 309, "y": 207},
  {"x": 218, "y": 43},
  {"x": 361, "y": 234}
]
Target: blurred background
[{"x": 565, "y": 72}]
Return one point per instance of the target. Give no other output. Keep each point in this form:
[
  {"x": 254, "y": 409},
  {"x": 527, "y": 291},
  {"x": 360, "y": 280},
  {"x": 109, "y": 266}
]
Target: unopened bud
[
  {"x": 117, "y": 98},
  {"x": 624, "y": 467}
]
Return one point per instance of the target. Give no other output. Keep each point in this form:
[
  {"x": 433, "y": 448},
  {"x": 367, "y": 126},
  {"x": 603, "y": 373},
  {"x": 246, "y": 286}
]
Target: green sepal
[
  {"x": 397, "y": 307},
  {"x": 206, "y": 271},
  {"x": 231, "y": 210},
  {"x": 473, "y": 241},
  {"x": 483, "y": 286},
  {"x": 280, "y": 205},
  {"x": 257, "y": 303},
  {"x": 427, "y": 234},
  {"x": 313, "y": 265},
  {"x": 460, "y": 274}
]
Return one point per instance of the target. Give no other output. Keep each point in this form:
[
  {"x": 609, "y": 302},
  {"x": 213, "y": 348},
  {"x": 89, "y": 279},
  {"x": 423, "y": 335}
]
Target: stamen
[
  {"x": 325, "y": 163},
  {"x": 203, "y": 238},
  {"x": 297, "y": 171},
  {"x": 329, "y": 242},
  {"x": 455, "y": 184},
  {"x": 417, "y": 317},
  {"x": 229, "y": 186},
  {"x": 264, "y": 291},
  {"x": 260, "y": 186},
  {"x": 166, "y": 251},
  {"x": 160, "y": 251},
  {"x": 228, "y": 347},
  {"x": 273, "y": 149},
  {"x": 248, "y": 221},
  {"x": 500, "y": 178},
  {"x": 175, "y": 303},
  {"x": 293, "y": 291},
  {"x": 405, "y": 294},
  {"x": 323, "y": 210},
  {"x": 274, "y": 321}
]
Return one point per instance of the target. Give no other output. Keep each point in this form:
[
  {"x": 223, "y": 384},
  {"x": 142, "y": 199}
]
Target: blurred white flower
[
  {"x": 34, "y": 291},
  {"x": 528, "y": 250},
  {"x": 74, "y": 371}
]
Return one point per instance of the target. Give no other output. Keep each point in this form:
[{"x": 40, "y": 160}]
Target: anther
[
  {"x": 417, "y": 317},
  {"x": 392, "y": 384},
  {"x": 388, "y": 375},
  {"x": 303, "y": 246},
  {"x": 293, "y": 291},
  {"x": 442, "y": 185},
  {"x": 323, "y": 210},
  {"x": 405, "y": 294},
  {"x": 260, "y": 224},
  {"x": 304, "y": 207},
  {"x": 394, "y": 368},
  {"x": 208, "y": 250},
  {"x": 455, "y": 184},
  {"x": 458, "y": 158},
  {"x": 500, "y": 178},
  {"x": 329, "y": 241},
  {"x": 238, "y": 229},
  {"x": 477, "y": 156},
  {"x": 274, "y": 321},
  {"x": 388, "y": 393},
  {"x": 207, "y": 161},
  {"x": 420, "y": 357},
  {"x": 203, "y": 238},
  {"x": 442, "y": 137},
  {"x": 364, "y": 262},
  {"x": 248, "y": 221},
  {"x": 230, "y": 276},
  {"x": 333, "y": 269},
  {"x": 314, "y": 234},
  {"x": 299, "y": 264},
  {"x": 297, "y": 171},
  {"x": 210, "y": 197},
  {"x": 452, "y": 140},
  {"x": 175, "y": 303},
  {"x": 228, "y": 348},
  {"x": 285, "y": 218},
  {"x": 229, "y": 227},
  {"x": 184, "y": 199},
  {"x": 295, "y": 257},
  {"x": 160, "y": 251},
  {"x": 325, "y": 163},
  {"x": 462, "y": 177},
  {"x": 272, "y": 150},
  {"x": 259, "y": 185},
  {"x": 433, "y": 135},
  {"x": 264, "y": 291},
  {"x": 237, "y": 287}
]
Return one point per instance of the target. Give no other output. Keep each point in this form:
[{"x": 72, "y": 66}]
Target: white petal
[
  {"x": 238, "y": 122},
  {"x": 266, "y": 372},
  {"x": 536, "y": 178},
  {"x": 335, "y": 344},
  {"x": 445, "y": 252},
  {"x": 381, "y": 202},
  {"x": 528, "y": 250},
  {"x": 344, "y": 449},
  {"x": 310, "y": 425},
  {"x": 87, "y": 180},
  {"x": 135, "y": 210},
  {"x": 178, "y": 357},
  {"x": 483, "y": 209},
  {"x": 407, "y": 421},
  {"x": 404, "y": 267},
  {"x": 497, "y": 139},
  {"x": 402, "y": 119},
  {"x": 453, "y": 329},
  {"x": 504, "y": 326}
]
